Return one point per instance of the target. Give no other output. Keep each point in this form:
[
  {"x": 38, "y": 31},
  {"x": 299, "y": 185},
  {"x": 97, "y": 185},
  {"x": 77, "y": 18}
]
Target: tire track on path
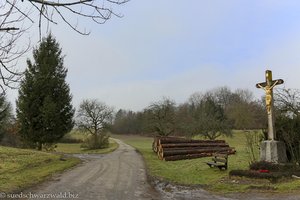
[{"x": 117, "y": 175}]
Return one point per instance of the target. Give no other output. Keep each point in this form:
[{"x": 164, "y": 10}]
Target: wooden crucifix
[{"x": 268, "y": 87}]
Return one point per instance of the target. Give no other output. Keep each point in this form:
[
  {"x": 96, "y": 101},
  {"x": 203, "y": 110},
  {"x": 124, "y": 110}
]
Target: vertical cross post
[
  {"x": 271, "y": 150},
  {"x": 268, "y": 87}
]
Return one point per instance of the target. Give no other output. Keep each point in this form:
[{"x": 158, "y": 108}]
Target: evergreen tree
[
  {"x": 44, "y": 108},
  {"x": 5, "y": 114}
]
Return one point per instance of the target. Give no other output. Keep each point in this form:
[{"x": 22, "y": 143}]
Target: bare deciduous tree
[
  {"x": 9, "y": 50},
  {"x": 18, "y": 16},
  {"x": 93, "y": 116},
  {"x": 54, "y": 11},
  {"x": 287, "y": 104},
  {"x": 288, "y": 101}
]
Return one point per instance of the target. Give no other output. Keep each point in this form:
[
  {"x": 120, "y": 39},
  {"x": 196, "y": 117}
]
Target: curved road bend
[{"x": 119, "y": 175}]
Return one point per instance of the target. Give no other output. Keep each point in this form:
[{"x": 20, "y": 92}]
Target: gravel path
[
  {"x": 121, "y": 175},
  {"x": 117, "y": 175}
]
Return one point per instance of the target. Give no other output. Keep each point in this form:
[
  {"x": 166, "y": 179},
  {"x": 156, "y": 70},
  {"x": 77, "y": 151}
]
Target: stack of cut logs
[{"x": 176, "y": 148}]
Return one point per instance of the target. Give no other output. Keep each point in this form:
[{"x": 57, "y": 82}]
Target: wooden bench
[{"x": 219, "y": 160}]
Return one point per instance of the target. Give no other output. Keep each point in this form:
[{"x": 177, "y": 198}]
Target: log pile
[{"x": 175, "y": 148}]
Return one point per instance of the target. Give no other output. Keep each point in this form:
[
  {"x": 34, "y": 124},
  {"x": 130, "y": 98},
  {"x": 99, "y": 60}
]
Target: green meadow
[
  {"x": 22, "y": 168},
  {"x": 197, "y": 172}
]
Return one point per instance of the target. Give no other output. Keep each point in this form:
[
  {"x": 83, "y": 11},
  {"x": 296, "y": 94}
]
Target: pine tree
[
  {"x": 5, "y": 114},
  {"x": 44, "y": 108}
]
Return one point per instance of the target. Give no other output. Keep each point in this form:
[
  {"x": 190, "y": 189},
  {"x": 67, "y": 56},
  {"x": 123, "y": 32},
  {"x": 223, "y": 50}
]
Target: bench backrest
[
  {"x": 220, "y": 158},
  {"x": 221, "y": 155}
]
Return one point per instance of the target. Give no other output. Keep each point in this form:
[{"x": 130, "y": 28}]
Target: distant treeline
[{"x": 211, "y": 114}]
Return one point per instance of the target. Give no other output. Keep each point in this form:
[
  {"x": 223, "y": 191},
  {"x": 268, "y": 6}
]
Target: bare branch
[
  {"x": 70, "y": 25},
  {"x": 20, "y": 11},
  {"x": 9, "y": 29},
  {"x": 57, "y": 4},
  {"x": 15, "y": 14}
]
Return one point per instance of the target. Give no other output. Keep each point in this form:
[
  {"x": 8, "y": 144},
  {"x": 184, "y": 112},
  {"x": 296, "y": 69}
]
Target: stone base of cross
[{"x": 271, "y": 150}]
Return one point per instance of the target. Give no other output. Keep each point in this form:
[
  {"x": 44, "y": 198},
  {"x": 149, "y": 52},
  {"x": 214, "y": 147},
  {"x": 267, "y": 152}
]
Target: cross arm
[
  {"x": 277, "y": 82},
  {"x": 272, "y": 84},
  {"x": 261, "y": 85}
]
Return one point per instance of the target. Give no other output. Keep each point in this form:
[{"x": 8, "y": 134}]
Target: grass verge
[
  {"x": 196, "y": 171},
  {"x": 22, "y": 168}
]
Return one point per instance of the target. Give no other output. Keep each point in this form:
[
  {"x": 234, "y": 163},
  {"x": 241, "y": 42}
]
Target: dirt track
[
  {"x": 118, "y": 175},
  {"x": 121, "y": 175}
]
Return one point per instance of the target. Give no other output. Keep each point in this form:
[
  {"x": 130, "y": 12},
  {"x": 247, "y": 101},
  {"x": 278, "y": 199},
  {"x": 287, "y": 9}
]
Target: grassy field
[
  {"x": 196, "y": 171},
  {"x": 21, "y": 168},
  {"x": 76, "y": 134},
  {"x": 75, "y": 148}
]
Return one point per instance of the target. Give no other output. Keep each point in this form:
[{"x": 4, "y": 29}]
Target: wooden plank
[
  {"x": 216, "y": 164},
  {"x": 222, "y": 155},
  {"x": 222, "y": 160}
]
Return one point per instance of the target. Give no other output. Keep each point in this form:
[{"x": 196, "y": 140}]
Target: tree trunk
[
  {"x": 192, "y": 156},
  {"x": 184, "y": 157},
  {"x": 166, "y": 140},
  {"x": 40, "y": 146},
  {"x": 176, "y": 148},
  {"x": 194, "y": 145},
  {"x": 193, "y": 151}
]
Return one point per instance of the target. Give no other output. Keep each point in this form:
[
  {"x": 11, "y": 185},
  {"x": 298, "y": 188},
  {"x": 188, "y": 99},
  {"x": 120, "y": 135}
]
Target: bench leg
[{"x": 222, "y": 167}]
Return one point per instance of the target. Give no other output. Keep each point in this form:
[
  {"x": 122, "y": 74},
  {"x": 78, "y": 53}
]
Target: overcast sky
[{"x": 174, "y": 48}]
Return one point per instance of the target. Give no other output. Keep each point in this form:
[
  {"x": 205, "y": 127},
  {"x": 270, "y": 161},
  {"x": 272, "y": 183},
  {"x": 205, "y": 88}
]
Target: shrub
[
  {"x": 11, "y": 137},
  {"x": 69, "y": 139},
  {"x": 263, "y": 165},
  {"x": 272, "y": 176},
  {"x": 253, "y": 140},
  {"x": 97, "y": 141},
  {"x": 288, "y": 131},
  {"x": 274, "y": 171},
  {"x": 49, "y": 147},
  {"x": 287, "y": 104}
]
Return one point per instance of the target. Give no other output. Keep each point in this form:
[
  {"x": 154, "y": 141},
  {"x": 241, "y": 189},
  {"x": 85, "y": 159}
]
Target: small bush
[
  {"x": 272, "y": 176},
  {"x": 11, "y": 140},
  {"x": 253, "y": 140},
  {"x": 49, "y": 147},
  {"x": 69, "y": 139},
  {"x": 73, "y": 137},
  {"x": 276, "y": 171},
  {"x": 10, "y": 136},
  {"x": 99, "y": 141}
]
